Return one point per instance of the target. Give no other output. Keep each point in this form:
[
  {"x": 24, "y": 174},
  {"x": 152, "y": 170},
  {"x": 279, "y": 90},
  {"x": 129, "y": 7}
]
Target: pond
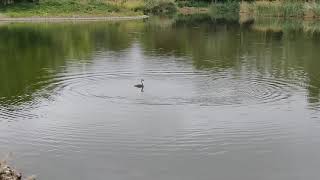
[{"x": 222, "y": 100}]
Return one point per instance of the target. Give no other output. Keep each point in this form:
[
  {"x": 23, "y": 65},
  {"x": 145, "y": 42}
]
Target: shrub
[
  {"x": 193, "y": 3},
  {"x": 227, "y": 10},
  {"x": 160, "y": 7}
]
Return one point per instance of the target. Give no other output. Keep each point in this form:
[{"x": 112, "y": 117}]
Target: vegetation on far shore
[
  {"x": 87, "y": 8},
  {"x": 62, "y": 8},
  {"x": 284, "y": 8}
]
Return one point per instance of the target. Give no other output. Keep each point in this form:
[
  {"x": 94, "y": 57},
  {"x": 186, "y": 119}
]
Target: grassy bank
[
  {"x": 286, "y": 9},
  {"x": 63, "y": 8},
  {"x": 87, "y": 8}
]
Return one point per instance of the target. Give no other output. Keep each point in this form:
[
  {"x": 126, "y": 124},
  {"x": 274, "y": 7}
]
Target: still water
[{"x": 221, "y": 100}]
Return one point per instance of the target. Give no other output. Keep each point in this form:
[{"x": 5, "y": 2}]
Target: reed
[
  {"x": 315, "y": 8},
  {"x": 279, "y": 9}
]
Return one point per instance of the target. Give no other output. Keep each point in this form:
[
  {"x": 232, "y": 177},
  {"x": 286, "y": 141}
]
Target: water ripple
[{"x": 206, "y": 89}]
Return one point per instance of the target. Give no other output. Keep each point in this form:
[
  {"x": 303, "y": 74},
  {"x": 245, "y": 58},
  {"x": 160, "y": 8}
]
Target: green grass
[
  {"x": 87, "y": 8},
  {"x": 228, "y": 10},
  {"x": 293, "y": 9},
  {"x": 67, "y": 8}
]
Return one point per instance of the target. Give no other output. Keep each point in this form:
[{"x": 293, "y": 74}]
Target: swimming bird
[{"x": 140, "y": 85}]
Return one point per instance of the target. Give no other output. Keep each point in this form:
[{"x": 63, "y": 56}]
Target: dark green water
[{"x": 221, "y": 100}]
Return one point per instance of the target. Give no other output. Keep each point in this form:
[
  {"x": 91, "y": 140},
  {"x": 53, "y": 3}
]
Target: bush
[
  {"x": 160, "y": 7},
  {"x": 229, "y": 9},
  {"x": 193, "y": 3}
]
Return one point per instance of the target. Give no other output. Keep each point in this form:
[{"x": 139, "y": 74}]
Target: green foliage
[
  {"x": 292, "y": 9},
  {"x": 160, "y": 6},
  {"x": 228, "y": 10},
  {"x": 193, "y": 3}
]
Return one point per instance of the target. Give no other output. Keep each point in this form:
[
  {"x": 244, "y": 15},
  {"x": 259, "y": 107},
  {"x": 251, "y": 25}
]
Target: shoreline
[{"x": 74, "y": 18}]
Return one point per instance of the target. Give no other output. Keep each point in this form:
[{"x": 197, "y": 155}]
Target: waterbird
[{"x": 140, "y": 85}]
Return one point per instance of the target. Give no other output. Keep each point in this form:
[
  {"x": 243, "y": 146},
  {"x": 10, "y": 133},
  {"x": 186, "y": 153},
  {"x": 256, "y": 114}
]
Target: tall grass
[
  {"x": 315, "y": 8},
  {"x": 293, "y": 9},
  {"x": 279, "y": 9}
]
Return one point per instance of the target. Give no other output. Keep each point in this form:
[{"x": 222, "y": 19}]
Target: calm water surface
[{"x": 222, "y": 100}]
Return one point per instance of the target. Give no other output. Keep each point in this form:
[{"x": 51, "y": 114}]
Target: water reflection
[
  {"x": 297, "y": 41},
  {"x": 36, "y": 52},
  {"x": 33, "y": 52},
  {"x": 215, "y": 44}
]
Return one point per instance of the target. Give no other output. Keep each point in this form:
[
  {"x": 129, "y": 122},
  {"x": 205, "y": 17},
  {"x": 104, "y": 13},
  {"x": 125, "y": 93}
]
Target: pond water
[{"x": 222, "y": 100}]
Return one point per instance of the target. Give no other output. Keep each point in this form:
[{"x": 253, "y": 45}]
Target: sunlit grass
[
  {"x": 63, "y": 8},
  {"x": 72, "y": 8},
  {"x": 288, "y": 8},
  {"x": 134, "y": 4}
]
